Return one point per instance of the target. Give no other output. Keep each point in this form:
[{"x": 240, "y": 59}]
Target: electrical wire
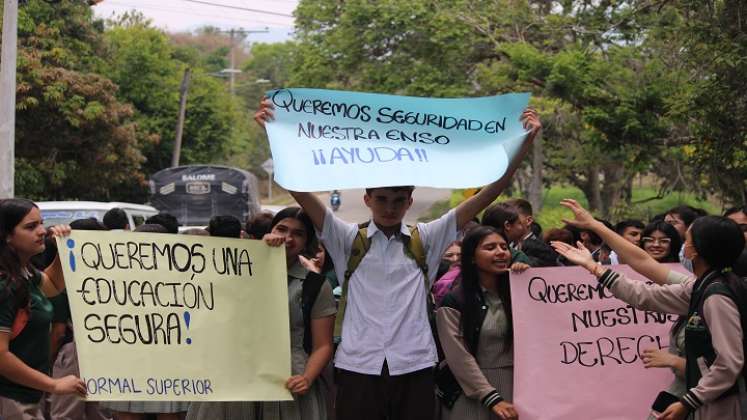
[
  {"x": 246, "y": 9},
  {"x": 193, "y": 13}
]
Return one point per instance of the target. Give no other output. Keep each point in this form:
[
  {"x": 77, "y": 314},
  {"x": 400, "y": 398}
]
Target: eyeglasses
[{"x": 660, "y": 241}]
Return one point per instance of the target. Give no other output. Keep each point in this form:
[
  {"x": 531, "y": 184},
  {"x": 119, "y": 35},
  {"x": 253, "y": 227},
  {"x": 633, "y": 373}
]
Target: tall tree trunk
[
  {"x": 628, "y": 192},
  {"x": 594, "y": 194},
  {"x": 588, "y": 183},
  {"x": 535, "y": 185},
  {"x": 614, "y": 191}
]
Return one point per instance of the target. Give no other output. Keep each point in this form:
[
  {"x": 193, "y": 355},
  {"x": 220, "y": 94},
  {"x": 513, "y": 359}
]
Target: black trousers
[{"x": 383, "y": 397}]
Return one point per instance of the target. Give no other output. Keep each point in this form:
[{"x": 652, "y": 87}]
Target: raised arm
[
  {"x": 310, "y": 203},
  {"x": 669, "y": 298},
  {"x": 634, "y": 256},
  {"x": 468, "y": 209}
]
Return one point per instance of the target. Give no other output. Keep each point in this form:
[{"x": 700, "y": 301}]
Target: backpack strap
[
  {"x": 361, "y": 244},
  {"x": 310, "y": 288},
  {"x": 415, "y": 250}
]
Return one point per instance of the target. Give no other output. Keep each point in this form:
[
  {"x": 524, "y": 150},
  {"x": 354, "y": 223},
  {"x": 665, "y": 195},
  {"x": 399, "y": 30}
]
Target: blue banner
[{"x": 325, "y": 139}]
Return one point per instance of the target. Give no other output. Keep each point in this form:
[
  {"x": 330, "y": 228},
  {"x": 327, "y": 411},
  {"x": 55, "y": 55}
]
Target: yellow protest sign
[{"x": 177, "y": 317}]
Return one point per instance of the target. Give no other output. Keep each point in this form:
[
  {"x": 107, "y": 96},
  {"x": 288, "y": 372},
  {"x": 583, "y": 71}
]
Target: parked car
[{"x": 64, "y": 212}]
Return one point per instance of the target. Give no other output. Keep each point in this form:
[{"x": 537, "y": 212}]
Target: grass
[{"x": 552, "y": 213}]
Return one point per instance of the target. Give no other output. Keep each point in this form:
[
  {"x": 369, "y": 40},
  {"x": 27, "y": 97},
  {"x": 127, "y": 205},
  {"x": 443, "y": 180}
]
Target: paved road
[{"x": 354, "y": 210}]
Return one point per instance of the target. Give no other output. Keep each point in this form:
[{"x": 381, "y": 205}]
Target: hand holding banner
[
  {"x": 324, "y": 139},
  {"x": 178, "y": 317}
]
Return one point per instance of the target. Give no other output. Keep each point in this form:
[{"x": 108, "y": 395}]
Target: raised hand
[
  {"x": 530, "y": 120},
  {"x": 579, "y": 256},
  {"x": 311, "y": 264},
  {"x": 264, "y": 114},
  {"x": 582, "y": 218}
]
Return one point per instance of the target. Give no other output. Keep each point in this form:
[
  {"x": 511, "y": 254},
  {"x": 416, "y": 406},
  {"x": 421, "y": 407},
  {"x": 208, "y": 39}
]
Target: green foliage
[
  {"x": 552, "y": 213},
  {"x": 624, "y": 87},
  {"x": 404, "y": 47},
  {"x": 599, "y": 83},
  {"x": 269, "y": 66},
  {"x": 145, "y": 64},
  {"x": 71, "y": 129},
  {"x": 97, "y": 108},
  {"x": 715, "y": 109}
]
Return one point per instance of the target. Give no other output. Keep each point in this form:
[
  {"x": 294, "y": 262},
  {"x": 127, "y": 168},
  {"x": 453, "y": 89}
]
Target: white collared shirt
[{"x": 386, "y": 316}]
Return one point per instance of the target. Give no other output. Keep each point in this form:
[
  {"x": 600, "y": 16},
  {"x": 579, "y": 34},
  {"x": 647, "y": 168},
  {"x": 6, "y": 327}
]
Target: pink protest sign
[{"x": 577, "y": 349}]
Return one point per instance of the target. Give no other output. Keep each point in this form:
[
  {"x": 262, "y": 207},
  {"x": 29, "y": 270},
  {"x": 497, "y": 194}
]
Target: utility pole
[
  {"x": 232, "y": 54},
  {"x": 8, "y": 98},
  {"x": 232, "y": 83},
  {"x": 183, "y": 89}
]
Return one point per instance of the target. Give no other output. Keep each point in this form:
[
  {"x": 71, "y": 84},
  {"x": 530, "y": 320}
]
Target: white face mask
[{"x": 686, "y": 262}]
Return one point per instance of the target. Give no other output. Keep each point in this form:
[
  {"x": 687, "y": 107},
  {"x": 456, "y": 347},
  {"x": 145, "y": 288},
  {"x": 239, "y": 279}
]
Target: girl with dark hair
[
  {"x": 26, "y": 313},
  {"x": 64, "y": 351},
  {"x": 662, "y": 242},
  {"x": 476, "y": 330},
  {"x": 312, "y": 318},
  {"x": 711, "y": 302}
]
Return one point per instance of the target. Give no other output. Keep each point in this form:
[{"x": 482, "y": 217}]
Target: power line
[
  {"x": 193, "y": 13},
  {"x": 246, "y": 9}
]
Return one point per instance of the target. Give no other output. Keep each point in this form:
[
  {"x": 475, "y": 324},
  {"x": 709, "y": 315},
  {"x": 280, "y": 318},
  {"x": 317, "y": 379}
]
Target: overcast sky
[{"x": 184, "y": 15}]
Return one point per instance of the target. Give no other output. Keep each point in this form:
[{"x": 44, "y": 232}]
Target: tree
[
  {"x": 74, "y": 139},
  {"x": 390, "y": 46},
  {"x": 595, "y": 78},
  {"x": 147, "y": 66},
  {"x": 714, "y": 37},
  {"x": 601, "y": 85}
]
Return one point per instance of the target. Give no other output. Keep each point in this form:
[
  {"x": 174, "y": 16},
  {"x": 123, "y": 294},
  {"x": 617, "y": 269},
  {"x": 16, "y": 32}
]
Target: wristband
[{"x": 491, "y": 399}]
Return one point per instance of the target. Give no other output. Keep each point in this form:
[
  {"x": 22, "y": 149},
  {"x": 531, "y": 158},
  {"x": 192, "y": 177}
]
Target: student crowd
[{"x": 422, "y": 326}]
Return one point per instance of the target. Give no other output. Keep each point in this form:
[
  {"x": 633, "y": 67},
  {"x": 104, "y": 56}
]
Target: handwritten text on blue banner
[{"x": 325, "y": 139}]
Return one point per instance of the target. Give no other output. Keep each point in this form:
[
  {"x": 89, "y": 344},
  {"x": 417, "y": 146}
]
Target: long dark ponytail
[
  {"x": 12, "y": 212},
  {"x": 720, "y": 241},
  {"x": 470, "y": 286}
]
